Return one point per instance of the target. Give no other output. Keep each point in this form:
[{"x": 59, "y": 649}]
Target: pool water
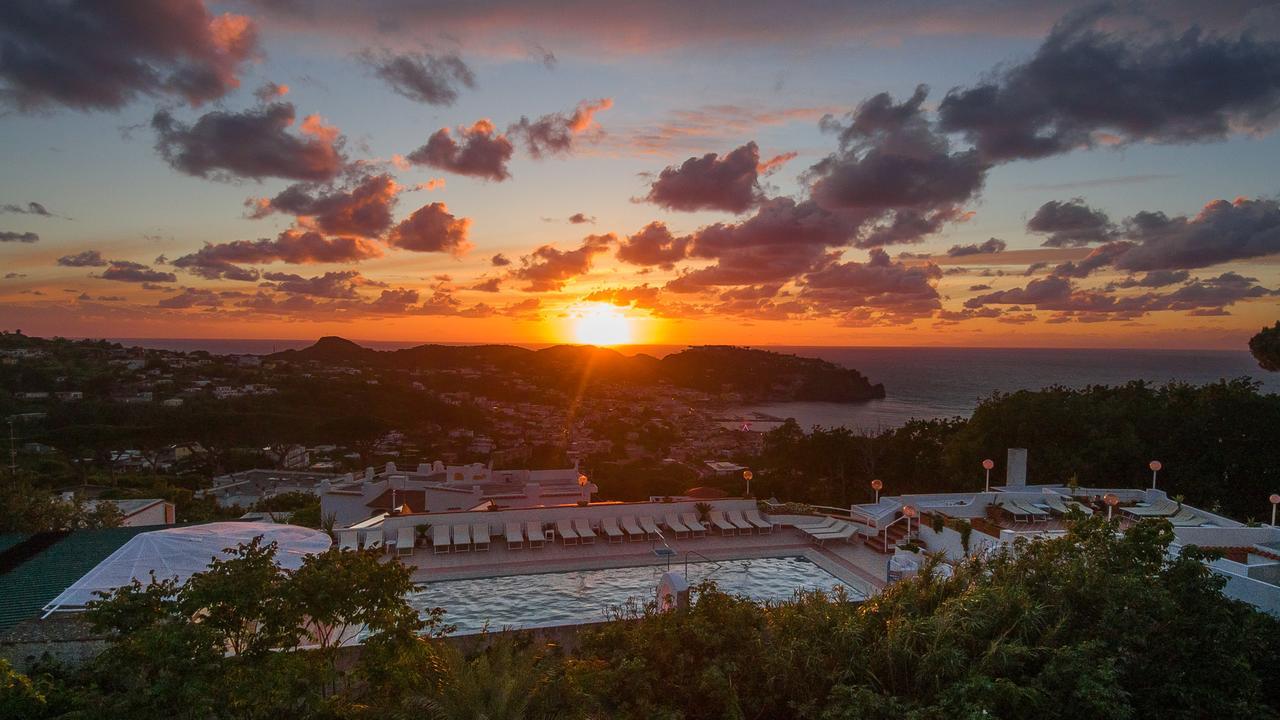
[{"x": 583, "y": 596}]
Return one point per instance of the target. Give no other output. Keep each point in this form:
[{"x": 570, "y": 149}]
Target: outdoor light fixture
[
  {"x": 908, "y": 511},
  {"x": 987, "y": 465},
  {"x": 1111, "y": 500},
  {"x": 877, "y": 486},
  {"x": 582, "y": 480},
  {"x": 1155, "y": 468},
  {"x": 747, "y": 475},
  {"x": 1275, "y": 500}
]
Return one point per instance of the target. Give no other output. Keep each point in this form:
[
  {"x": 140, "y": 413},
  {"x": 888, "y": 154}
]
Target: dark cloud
[
  {"x": 1155, "y": 279},
  {"x": 337, "y": 284},
  {"x": 126, "y": 271},
  {"x": 991, "y": 245},
  {"x": 293, "y": 246},
  {"x": 782, "y": 240},
  {"x": 18, "y": 237},
  {"x": 1086, "y": 86},
  {"x": 1062, "y": 295},
  {"x": 491, "y": 285},
  {"x": 653, "y": 245},
  {"x": 88, "y": 258},
  {"x": 363, "y": 210},
  {"x": 31, "y": 208},
  {"x": 102, "y": 55},
  {"x": 554, "y": 134},
  {"x": 548, "y": 268},
  {"x": 581, "y": 219},
  {"x": 711, "y": 182},
  {"x": 269, "y": 91},
  {"x": 499, "y": 260},
  {"x": 432, "y": 228},
  {"x": 1222, "y": 232},
  {"x": 421, "y": 77},
  {"x": 1071, "y": 224},
  {"x": 979, "y": 288},
  {"x": 879, "y": 291},
  {"x": 482, "y": 152},
  {"x": 255, "y": 144},
  {"x": 191, "y": 297},
  {"x": 895, "y": 176}
]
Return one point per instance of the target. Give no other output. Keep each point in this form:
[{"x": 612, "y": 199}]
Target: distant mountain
[{"x": 755, "y": 375}]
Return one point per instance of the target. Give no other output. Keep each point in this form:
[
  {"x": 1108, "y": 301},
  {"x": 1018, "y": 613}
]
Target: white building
[{"x": 437, "y": 487}]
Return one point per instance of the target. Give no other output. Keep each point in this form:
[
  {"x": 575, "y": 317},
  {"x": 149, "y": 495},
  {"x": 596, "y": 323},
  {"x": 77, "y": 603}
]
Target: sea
[{"x": 920, "y": 383}]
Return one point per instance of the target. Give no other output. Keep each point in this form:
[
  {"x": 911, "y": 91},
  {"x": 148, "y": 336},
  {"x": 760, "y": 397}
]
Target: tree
[{"x": 1265, "y": 347}]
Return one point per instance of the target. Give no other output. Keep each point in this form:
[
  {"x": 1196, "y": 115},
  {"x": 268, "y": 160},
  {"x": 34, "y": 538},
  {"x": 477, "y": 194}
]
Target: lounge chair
[
  {"x": 440, "y": 538},
  {"x": 1187, "y": 518},
  {"x": 1036, "y": 513},
  {"x": 1064, "y": 507},
  {"x": 826, "y": 525},
  {"x": 833, "y": 527},
  {"x": 744, "y": 527},
  {"x": 533, "y": 533},
  {"x": 753, "y": 516},
  {"x": 583, "y": 528},
  {"x": 722, "y": 524},
  {"x": 632, "y": 528},
  {"x": 846, "y": 533},
  {"x": 461, "y": 538},
  {"x": 696, "y": 528},
  {"x": 349, "y": 540},
  {"x": 405, "y": 539},
  {"x": 373, "y": 540},
  {"x": 650, "y": 528},
  {"x": 674, "y": 525},
  {"x": 610, "y": 528},
  {"x": 515, "y": 540},
  {"x": 566, "y": 533},
  {"x": 1163, "y": 508},
  {"x": 480, "y": 537}
]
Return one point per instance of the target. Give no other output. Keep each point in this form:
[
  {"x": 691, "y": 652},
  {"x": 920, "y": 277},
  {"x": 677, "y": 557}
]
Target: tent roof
[{"x": 182, "y": 552}]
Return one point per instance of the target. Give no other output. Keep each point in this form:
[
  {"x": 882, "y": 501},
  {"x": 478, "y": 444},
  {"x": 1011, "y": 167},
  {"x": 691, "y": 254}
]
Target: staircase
[{"x": 895, "y": 533}]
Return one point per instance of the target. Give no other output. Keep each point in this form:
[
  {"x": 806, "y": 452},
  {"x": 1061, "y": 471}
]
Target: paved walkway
[{"x": 852, "y": 563}]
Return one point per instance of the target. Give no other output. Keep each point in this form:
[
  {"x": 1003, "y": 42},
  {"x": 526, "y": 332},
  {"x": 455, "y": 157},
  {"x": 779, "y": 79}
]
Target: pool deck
[{"x": 853, "y": 563}]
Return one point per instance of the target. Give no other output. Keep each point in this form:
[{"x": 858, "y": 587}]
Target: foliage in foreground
[
  {"x": 1092, "y": 625},
  {"x": 1217, "y": 443}
]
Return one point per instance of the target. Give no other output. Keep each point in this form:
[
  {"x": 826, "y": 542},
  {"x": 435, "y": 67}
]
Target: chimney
[{"x": 1016, "y": 468}]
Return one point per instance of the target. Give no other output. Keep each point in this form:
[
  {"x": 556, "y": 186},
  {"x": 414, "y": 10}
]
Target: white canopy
[{"x": 182, "y": 552}]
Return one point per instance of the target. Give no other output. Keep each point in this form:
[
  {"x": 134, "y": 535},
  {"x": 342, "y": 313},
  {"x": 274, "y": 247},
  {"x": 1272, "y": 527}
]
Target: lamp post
[
  {"x": 1155, "y": 468},
  {"x": 1111, "y": 500},
  {"x": 747, "y": 475},
  {"x": 908, "y": 511},
  {"x": 987, "y": 465},
  {"x": 877, "y": 486},
  {"x": 1275, "y": 500}
]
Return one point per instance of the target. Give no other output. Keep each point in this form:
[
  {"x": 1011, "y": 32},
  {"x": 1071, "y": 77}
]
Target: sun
[{"x": 601, "y": 324}]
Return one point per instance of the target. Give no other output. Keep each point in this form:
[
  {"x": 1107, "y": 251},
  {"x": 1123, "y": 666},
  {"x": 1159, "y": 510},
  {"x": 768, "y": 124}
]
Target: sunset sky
[{"x": 802, "y": 173}]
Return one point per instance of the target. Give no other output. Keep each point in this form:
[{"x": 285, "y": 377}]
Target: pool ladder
[{"x": 715, "y": 564}]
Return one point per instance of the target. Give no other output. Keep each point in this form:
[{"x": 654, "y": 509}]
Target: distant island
[{"x": 753, "y": 375}]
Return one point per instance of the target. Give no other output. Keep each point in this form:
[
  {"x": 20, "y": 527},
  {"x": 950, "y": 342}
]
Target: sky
[{"x": 934, "y": 173}]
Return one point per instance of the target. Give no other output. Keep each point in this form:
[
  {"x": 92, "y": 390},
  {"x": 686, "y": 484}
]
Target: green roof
[{"x": 26, "y": 589}]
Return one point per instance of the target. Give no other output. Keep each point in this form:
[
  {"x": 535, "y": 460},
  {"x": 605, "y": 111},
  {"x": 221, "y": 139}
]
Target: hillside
[{"x": 756, "y": 375}]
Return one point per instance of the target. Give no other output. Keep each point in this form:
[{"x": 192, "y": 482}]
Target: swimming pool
[{"x": 583, "y": 596}]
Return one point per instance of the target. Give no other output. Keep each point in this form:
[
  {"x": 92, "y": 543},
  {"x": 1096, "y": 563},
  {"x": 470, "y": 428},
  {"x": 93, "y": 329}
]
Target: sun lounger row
[
  {"x": 460, "y": 538},
  {"x": 1162, "y": 508},
  {"x": 374, "y": 540},
  {"x": 581, "y": 531},
  {"x": 1024, "y": 511},
  {"x": 829, "y": 529}
]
